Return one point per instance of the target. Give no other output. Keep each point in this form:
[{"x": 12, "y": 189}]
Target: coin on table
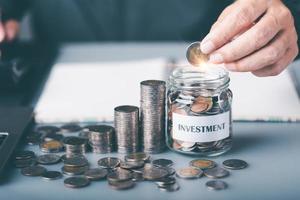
[
  {"x": 48, "y": 159},
  {"x": 52, "y": 136},
  {"x": 33, "y": 138},
  {"x": 76, "y": 161},
  {"x": 47, "y": 129},
  {"x": 235, "y": 164},
  {"x": 76, "y": 182},
  {"x": 96, "y": 174},
  {"x": 137, "y": 176},
  {"x": 119, "y": 175},
  {"x": 22, "y": 155},
  {"x": 140, "y": 156},
  {"x": 216, "y": 172},
  {"x": 73, "y": 171},
  {"x": 132, "y": 165},
  {"x": 216, "y": 185},
  {"x": 202, "y": 163},
  {"x": 122, "y": 185},
  {"x": 52, "y": 146},
  {"x": 162, "y": 162},
  {"x": 165, "y": 181},
  {"x": 170, "y": 188},
  {"x": 171, "y": 171},
  {"x": 25, "y": 163},
  {"x": 194, "y": 54},
  {"x": 109, "y": 162},
  {"x": 70, "y": 128},
  {"x": 154, "y": 173},
  {"x": 189, "y": 173},
  {"x": 33, "y": 171},
  {"x": 52, "y": 175}
]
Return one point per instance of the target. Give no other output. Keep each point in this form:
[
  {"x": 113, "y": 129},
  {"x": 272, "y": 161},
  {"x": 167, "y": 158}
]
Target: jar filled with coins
[{"x": 199, "y": 111}]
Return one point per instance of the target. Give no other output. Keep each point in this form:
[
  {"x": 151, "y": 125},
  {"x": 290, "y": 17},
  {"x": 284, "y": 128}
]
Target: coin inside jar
[
  {"x": 194, "y": 54},
  {"x": 202, "y": 104}
]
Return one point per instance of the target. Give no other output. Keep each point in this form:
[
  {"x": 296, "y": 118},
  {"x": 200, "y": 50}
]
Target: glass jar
[{"x": 199, "y": 111}]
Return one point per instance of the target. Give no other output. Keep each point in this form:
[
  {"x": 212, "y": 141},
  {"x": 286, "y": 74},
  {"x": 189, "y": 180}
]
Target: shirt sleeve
[{"x": 14, "y": 9}]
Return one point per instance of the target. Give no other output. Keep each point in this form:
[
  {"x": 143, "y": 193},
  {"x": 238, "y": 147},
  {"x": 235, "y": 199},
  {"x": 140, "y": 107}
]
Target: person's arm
[
  {"x": 11, "y": 13},
  {"x": 257, "y": 36}
]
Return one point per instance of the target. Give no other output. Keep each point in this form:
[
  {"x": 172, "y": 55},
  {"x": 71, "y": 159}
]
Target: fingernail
[
  {"x": 230, "y": 67},
  {"x": 216, "y": 58},
  {"x": 207, "y": 46}
]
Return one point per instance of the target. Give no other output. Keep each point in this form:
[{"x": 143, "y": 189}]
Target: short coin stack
[
  {"x": 101, "y": 138},
  {"x": 75, "y": 165},
  {"x": 153, "y": 115},
  {"x": 126, "y": 121},
  {"x": 75, "y": 145}
]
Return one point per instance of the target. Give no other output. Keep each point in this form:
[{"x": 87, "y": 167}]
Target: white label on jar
[{"x": 201, "y": 128}]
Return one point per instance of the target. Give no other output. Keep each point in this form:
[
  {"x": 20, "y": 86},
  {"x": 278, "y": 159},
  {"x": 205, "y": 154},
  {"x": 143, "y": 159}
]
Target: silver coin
[
  {"x": 47, "y": 129},
  {"x": 216, "y": 185},
  {"x": 109, "y": 162},
  {"x": 154, "y": 173},
  {"x": 194, "y": 54},
  {"x": 162, "y": 162},
  {"x": 52, "y": 175},
  {"x": 137, "y": 176},
  {"x": 119, "y": 175},
  {"x": 21, "y": 155},
  {"x": 76, "y": 182},
  {"x": 76, "y": 161},
  {"x": 122, "y": 185},
  {"x": 132, "y": 165},
  {"x": 165, "y": 181},
  {"x": 52, "y": 136},
  {"x": 33, "y": 138},
  {"x": 33, "y": 171},
  {"x": 216, "y": 172},
  {"x": 235, "y": 164},
  {"x": 48, "y": 159},
  {"x": 171, "y": 171},
  {"x": 170, "y": 188},
  {"x": 96, "y": 174},
  {"x": 70, "y": 128},
  {"x": 73, "y": 171},
  {"x": 189, "y": 173},
  {"x": 139, "y": 156},
  {"x": 25, "y": 163}
]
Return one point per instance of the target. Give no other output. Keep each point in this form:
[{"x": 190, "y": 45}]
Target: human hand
[
  {"x": 253, "y": 35},
  {"x": 9, "y": 30}
]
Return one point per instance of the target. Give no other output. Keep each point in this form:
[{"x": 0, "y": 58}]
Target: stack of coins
[
  {"x": 126, "y": 121},
  {"x": 153, "y": 115},
  {"x": 24, "y": 159},
  {"x": 101, "y": 138},
  {"x": 75, "y": 165},
  {"x": 75, "y": 145}
]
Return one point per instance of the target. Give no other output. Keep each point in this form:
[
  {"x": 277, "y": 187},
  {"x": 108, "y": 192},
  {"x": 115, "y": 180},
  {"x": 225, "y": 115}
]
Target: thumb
[{"x": 2, "y": 32}]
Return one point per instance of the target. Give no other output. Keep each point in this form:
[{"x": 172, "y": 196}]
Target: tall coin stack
[
  {"x": 126, "y": 121},
  {"x": 101, "y": 138},
  {"x": 153, "y": 115}
]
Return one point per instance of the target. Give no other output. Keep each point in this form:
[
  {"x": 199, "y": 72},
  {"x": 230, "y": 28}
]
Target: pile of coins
[
  {"x": 75, "y": 145},
  {"x": 153, "y": 115},
  {"x": 75, "y": 165},
  {"x": 101, "y": 138},
  {"x": 126, "y": 121}
]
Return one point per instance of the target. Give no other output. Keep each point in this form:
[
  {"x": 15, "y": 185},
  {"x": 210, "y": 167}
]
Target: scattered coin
[
  {"x": 140, "y": 156},
  {"x": 170, "y": 188},
  {"x": 52, "y": 136},
  {"x": 153, "y": 173},
  {"x": 216, "y": 185},
  {"x": 109, "y": 162},
  {"x": 132, "y": 165},
  {"x": 194, "y": 54},
  {"x": 122, "y": 185},
  {"x": 119, "y": 175},
  {"x": 73, "y": 171},
  {"x": 189, "y": 173},
  {"x": 96, "y": 174},
  {"x": 137, "y": 176},
  {"x": 216, "y": 172},
  {"x": 76, "y": 182},
  {"x": 76, "y": 161},
  {"x": 165, "y": 181},
  {"x": 162, "y": 162},
  {"x": 235, "y": 164},
  {"x": 202, "y": 164},
  {"x": 33, "y": 171},
  {"x": 52, "y": 175},
  {"x": 70, "y": 128},
  {"x": 21, "y": 155},
  {"x": 25, "y": 163},
  {"x": 48, "y": 159},
  {"x": 47, "y": 129}
]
